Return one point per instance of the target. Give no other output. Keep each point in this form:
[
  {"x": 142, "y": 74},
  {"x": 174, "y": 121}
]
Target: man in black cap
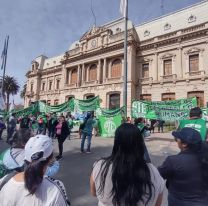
[{"x": 186, "y": 172}]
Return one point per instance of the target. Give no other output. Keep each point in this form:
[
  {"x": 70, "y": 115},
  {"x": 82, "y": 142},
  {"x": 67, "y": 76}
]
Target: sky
[{"x": 49, "y": 27}]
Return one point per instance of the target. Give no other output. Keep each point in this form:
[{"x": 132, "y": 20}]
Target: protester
[
  {"x": 52, "y": 122},
  {"x": 2, "y": 126},
  {"x": 13, "y": 158},
  {"x": 86, "y": 131},
  {"x": 11, "y": 127},
  {"x": 145, "y": 131},
  {"x": 70, "y": 123},
  {"x": 42, "y": 123},
  {"x": 124, "y": 178},
  {"x": 62, "y": 131},
  {"x": 128, "y": 120},
  {"x": 186, "y": 173},
  {"x": 153, "y": 124},
  {"x": 25, "y": 122},
  {"x": 31, "y": 187},
  {"x": 160, "y": 125},
  {"x": 196, "y": 122}
]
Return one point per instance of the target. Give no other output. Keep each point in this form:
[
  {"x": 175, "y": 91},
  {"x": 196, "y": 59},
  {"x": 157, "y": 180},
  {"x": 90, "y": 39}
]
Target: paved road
[{"x": 76, "y": 167}]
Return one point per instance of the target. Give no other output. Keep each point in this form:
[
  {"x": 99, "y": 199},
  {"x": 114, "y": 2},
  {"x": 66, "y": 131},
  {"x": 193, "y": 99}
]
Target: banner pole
[{"x": 125, "y": 59}]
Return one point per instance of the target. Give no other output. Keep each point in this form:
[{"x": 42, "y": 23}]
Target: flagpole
[
  {"x": 4, "y": 64},
  {"x": 125, "y": 58}
]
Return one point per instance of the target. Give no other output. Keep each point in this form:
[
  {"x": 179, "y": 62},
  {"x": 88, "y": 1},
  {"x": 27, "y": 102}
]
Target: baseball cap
[
  {"x": 188, "y": 135},
  {"x": 39, "y": 148}
]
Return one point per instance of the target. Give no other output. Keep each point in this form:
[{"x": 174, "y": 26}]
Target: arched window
[
  {"x": 67, "y": 98},
  {"x": 56, "y": 102},
  {"x": 49, "y": 102},
  {"x": 116, "y": 68},
  {"x": 74, "y": 76},
  {"x": 114, "y": 101},
  {"x": 93, "y": 73},
  {"x": 89, "y": 96}
]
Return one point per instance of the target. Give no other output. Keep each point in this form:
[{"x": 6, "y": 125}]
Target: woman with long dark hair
[
  {"x": 62, "y": 132},
  {"x": 124, "y": 178},
  {"x": 187, "y": 172},
  {"x": 31, "y": 187}
]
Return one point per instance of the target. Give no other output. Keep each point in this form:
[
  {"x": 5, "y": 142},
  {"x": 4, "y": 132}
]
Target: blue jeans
[
  {"x": 89, "y": 137},
  {"x": 51, "y": 132}
]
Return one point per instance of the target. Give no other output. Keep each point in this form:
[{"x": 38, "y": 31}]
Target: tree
[
  {"x": 11, "y": 87},
  {"x": 22, "y": 93}
]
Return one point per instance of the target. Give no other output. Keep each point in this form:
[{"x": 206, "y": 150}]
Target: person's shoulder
[{"x": 58, "y": 187}]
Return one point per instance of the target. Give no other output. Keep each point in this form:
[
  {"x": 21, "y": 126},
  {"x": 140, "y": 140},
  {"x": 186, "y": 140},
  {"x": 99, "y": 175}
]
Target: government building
[{"x": 167, "y": 60}]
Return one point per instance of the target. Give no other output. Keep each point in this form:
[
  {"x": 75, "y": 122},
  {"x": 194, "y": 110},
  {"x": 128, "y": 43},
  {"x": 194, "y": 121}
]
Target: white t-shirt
[
  {"x": 50, "y": 193},
  {"x": 106, "y": 198}
]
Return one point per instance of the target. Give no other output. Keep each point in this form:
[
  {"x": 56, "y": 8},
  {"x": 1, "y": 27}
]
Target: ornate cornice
[{"x": 173, "y": 38}]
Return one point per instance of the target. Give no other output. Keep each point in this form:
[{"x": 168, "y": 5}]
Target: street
[{"x": 76, "y": 168}]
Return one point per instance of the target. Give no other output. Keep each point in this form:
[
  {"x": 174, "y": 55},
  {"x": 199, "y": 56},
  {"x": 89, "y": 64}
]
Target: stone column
[
  {"x": 109, "y": 69},
  {"x": 156, "y": 67},
  {"x": 179, "y": 70},
  {"x": 104, "y": 69},
  {"x": 69, "y": 73},
  {"x": 83, "y": 73},
  {"x": 87, "y": 74},
  {"x": 78, "y": 75},
  {"x": 99, "y": 71},
  {"x": 122, "y": 69}
]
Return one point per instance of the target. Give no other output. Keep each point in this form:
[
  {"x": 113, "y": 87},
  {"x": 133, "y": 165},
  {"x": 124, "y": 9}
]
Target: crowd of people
[{"x": 127, "y": 177}]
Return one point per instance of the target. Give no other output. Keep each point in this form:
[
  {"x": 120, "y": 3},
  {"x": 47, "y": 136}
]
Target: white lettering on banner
[{"x": 110, "y": 126}]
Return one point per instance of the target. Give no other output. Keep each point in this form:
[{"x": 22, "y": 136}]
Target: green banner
[
  {"x": 108, "y": 125},
  {"x": 65, "y": 107},
  {"x": 86, "y": 105},
  {"x": 72, "y": 105},
  {"x": 109, "y": 120},
  {"x": 164, "y": 110}
]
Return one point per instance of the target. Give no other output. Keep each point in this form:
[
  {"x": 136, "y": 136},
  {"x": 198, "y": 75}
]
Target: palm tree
[
  {"x": 22, "y": 93},
  {"x": 11, "y": 87}
]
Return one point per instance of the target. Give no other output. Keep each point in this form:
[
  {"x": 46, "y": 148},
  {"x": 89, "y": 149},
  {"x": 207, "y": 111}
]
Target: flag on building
[{"x": 123, "y": 5}]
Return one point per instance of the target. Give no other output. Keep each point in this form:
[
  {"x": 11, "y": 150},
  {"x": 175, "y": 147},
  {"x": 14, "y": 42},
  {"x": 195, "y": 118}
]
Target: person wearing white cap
[{"x": 31, "y": 187}]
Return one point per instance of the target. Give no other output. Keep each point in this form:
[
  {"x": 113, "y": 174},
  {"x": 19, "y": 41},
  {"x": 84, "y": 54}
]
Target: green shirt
[{"x": 197, "y": 124}]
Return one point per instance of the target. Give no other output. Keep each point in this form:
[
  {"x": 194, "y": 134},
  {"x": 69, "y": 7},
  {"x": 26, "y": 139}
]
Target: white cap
[{"x": 39, "y": 148}]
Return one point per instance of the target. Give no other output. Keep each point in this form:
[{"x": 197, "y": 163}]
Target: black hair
[
  {"x": 138, "y": 120},
  {"x": 34, "y": 172},
  {"x": 201, "y": 150},
  {"x": 195, "y": 112},
  {"x": 20, "y": 138},
  {"x": 130, "y": 173}
]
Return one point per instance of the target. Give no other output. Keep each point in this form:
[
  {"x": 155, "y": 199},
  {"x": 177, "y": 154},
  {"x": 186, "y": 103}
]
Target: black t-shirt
[{"x": 184, "y": 180}]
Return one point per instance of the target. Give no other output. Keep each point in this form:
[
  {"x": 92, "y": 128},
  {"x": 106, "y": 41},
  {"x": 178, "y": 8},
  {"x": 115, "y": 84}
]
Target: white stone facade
[{"x": 173, "y": 48}]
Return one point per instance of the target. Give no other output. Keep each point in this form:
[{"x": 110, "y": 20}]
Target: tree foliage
[{"x": 11, "y": 87}]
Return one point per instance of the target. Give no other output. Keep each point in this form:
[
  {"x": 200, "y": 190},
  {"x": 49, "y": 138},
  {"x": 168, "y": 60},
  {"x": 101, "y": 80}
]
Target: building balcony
[
  {"x": 114, "y": 80},
  {"x": 73, "y": 85},
  {"x": 169, "y": 78},
  {"x": 195, "y": 74},
  {"x": 90, "y": 83},
  {"x": 146, "y": 80}
]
